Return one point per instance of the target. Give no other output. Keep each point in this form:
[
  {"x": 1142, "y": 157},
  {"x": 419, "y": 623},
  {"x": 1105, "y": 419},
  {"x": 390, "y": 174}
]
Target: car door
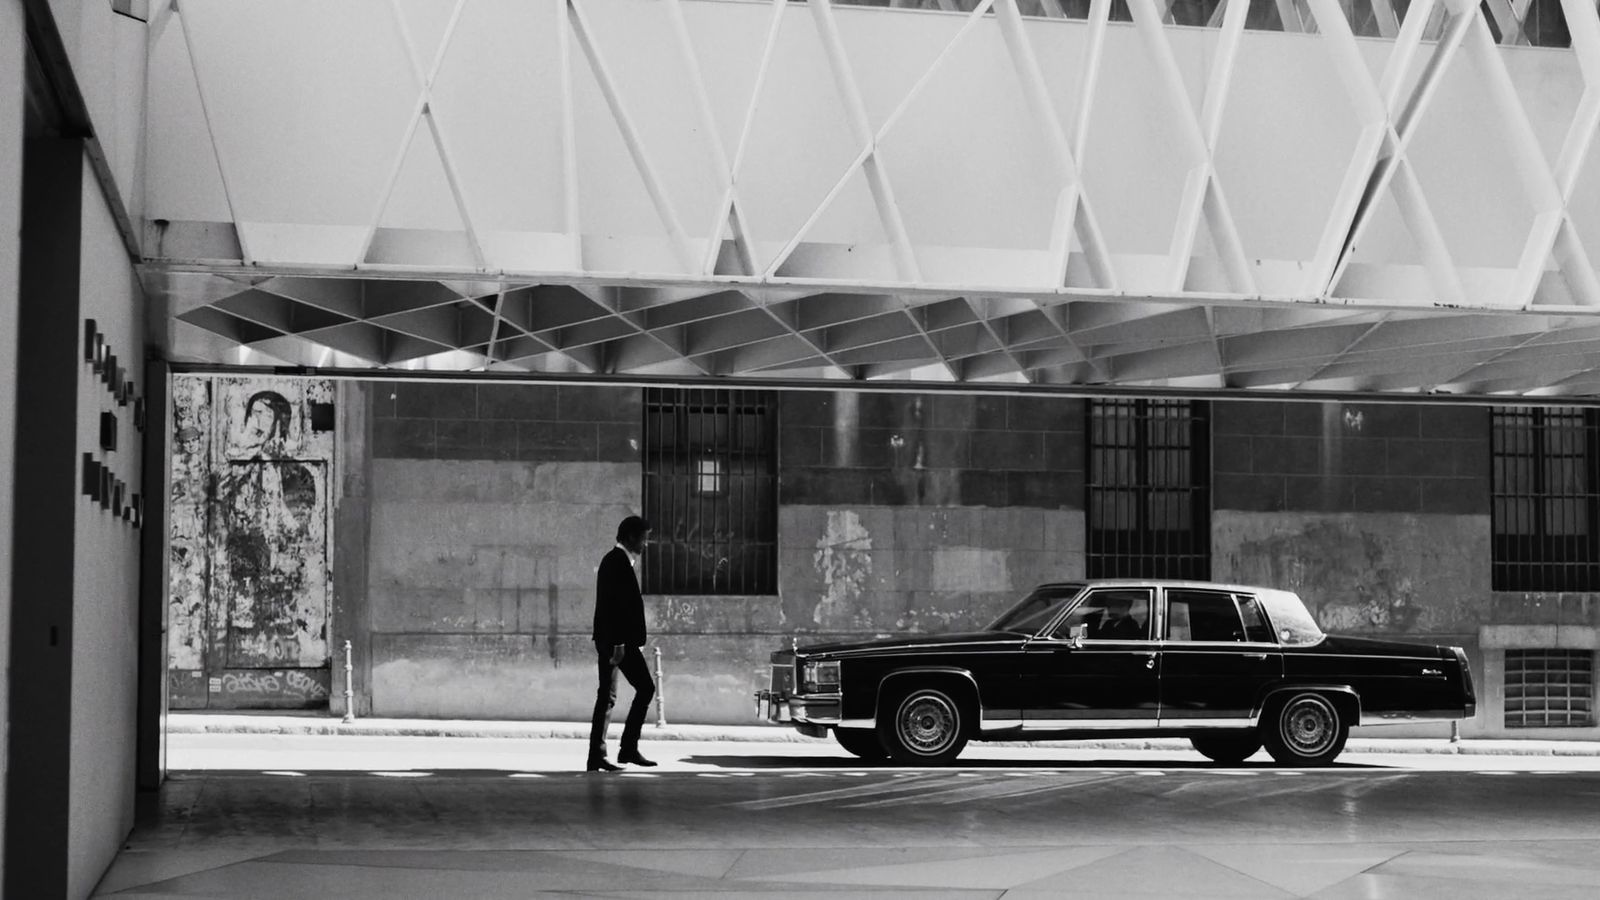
[
  {"x": 1217, "y": 657},
  {"x": 1098, "y": 682}
]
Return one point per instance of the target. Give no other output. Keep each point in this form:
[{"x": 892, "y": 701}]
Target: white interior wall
[{"x": 106, "y": 588}]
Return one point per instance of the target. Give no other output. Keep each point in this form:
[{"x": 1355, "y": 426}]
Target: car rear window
[{"x": 1292, "y": 622}]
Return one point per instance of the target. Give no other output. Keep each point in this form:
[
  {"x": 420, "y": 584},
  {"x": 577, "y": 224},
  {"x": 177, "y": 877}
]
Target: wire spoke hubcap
[
  {"x": 1309, "y": 726},
  {"x": 927, "y": 723}
]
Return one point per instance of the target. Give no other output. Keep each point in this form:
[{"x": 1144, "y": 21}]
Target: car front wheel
[
  {"x": 1305, "y": 730},
  {"x": 926, "y": 726},
  {"x": 1228, "y": 749},
  {"x": 862, "y": 742}
]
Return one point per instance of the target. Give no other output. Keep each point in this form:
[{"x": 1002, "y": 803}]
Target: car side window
[
  {"x": 1203, "y": 616},
  {"x": 1110, "y": 614},
  {"x": 1256, "y": 626}
]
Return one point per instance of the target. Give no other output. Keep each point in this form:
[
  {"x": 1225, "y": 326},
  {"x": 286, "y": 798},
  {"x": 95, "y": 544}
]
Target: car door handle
[
  {"x": 1150, "y": 663},
  {"x": 1255, "y": 656}
]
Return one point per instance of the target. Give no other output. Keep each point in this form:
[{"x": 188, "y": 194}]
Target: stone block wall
[{"x": 917, "y": 513}]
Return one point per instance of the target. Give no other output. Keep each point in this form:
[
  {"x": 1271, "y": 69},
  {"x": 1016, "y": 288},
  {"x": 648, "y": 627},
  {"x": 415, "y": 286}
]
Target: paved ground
[{"x": 370, "y": 816}]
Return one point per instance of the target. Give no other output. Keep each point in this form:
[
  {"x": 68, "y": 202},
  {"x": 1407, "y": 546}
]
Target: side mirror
[{"x": 1076, "y": 634}]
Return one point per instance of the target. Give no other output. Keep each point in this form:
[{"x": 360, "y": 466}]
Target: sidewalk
[{"x": 317, "y": 723}]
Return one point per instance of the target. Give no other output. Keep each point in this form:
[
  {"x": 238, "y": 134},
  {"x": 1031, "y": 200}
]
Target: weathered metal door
[{"x": 251, "y": 574}]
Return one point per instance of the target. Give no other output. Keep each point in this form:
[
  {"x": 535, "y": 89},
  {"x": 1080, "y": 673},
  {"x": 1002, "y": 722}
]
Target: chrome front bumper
[{"x": 812, "y": 709}]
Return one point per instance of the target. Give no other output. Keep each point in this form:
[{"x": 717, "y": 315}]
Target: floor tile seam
[
  {"x": 743, "y": 852},
  {"x": 1269, "y": 884}
]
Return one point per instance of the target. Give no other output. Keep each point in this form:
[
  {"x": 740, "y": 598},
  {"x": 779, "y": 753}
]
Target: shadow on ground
[{"x": 835, "y": 762}]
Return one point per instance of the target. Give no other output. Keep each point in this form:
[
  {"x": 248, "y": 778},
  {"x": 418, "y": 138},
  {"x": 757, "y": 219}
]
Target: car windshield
[
  {"x": 1036, "y": 610},
  {"x": 1294, "y": 625}
]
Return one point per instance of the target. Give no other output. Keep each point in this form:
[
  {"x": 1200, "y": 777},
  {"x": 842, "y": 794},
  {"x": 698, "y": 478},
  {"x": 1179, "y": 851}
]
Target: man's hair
[{"x": 631, "y": 527}]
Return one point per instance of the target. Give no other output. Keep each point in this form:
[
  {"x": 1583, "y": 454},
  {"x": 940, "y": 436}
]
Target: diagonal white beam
[
  {"x": 419, "y": 109},
  {"x": 572, "y": 218},
  {"x": 424, "y": 83},
  {"x": 1394, "y": 118},
  {"x": 1073, "y": 213},
  {"x": 1201, "y": 134},
  {"x": 631, "y": 138},
  {"x": 857, "y": 117},
  {"x": 730, "y": 210},
  {"x": 861, "y": 130},
  {"x": 206, "y": 105}
]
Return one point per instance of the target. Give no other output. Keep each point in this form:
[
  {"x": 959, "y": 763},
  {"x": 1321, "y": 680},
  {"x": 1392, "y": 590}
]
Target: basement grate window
[
  {"x": 1549, "y": 688},
  {"x": 710, "y": 491},
  {"x": 1149, "y": 489},
  {"x": 1545, "y": 490}
]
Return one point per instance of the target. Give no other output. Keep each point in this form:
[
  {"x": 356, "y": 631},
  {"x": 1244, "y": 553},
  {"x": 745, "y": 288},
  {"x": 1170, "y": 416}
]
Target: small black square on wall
[
  {"x": 322, "y": 417},
  {"x": 91, "y": 341},
  {"x": 91, "y": 477},
  {"x": 108, "y": 431}
]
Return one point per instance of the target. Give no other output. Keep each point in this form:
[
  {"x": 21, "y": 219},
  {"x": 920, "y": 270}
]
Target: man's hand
[{"x": 617, "y": 651}]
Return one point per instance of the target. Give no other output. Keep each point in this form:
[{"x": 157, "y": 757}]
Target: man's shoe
[
  {"x": 632, "y": 756},
  {"x": 603, "y": 765}
]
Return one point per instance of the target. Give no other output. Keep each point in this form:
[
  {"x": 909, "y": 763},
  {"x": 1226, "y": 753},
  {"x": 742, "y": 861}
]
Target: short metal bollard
[
  {"x": 661, "y": 691},
  {"x": 1455, "y": 731},
  {"x": 349, "y": 687}
]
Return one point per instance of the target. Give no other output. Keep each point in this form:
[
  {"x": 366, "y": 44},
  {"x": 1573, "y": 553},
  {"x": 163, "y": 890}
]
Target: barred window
[
  {"x": 1545, "y": 491},
  {"x": 1149, "y": 498},
  {"x": 710, "y": 491},
  {"x": 1549, "y": 688}
]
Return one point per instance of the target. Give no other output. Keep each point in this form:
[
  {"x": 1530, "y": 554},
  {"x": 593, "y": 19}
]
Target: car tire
[
  {"x": 1227, "y": 749},
  {"x": 1305, "y": 730},
  {"x": 861, "y": 742},
  {"x": 923, "y": 726}
]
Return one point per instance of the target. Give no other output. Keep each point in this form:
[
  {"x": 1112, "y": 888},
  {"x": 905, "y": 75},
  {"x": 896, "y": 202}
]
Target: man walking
[{"x": 618, "y": 635}]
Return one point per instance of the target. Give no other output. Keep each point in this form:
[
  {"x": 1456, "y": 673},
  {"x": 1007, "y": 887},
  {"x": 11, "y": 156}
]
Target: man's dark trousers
[{"x": 637, "y": 671}]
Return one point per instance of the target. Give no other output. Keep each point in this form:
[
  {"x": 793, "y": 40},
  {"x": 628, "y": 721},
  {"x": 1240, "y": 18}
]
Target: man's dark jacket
[{"x": 618, "y": 607}]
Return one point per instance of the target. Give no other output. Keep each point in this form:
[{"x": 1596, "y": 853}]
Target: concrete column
[
  {"x": 12, "y": 77},
  {"x": 351, "y": 617},
  {"x": 47, "y": 500},
  {"x": 153, "y": 576}
]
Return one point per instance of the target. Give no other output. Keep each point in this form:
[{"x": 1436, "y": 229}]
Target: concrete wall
[
  {"x": 472, "y": 518},
  {"x": 105, "y": 592},
  {"x": 490, "y": 508},
  {"x": 11, "y": 100}
]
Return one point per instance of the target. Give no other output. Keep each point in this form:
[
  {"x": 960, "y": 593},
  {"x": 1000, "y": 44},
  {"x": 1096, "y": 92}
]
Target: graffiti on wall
[
  {"x": 1392, "y": 574},
  {"x": 250, "y": 561}
]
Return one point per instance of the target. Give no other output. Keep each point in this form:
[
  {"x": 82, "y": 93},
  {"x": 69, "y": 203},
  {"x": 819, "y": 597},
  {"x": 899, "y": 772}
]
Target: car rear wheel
[
  {"x": 862, "y": 742},
  {"x": 1305, "y": 730},
  {"x": 1228, "y": 749},
  {"x": 924, "y": 726}
]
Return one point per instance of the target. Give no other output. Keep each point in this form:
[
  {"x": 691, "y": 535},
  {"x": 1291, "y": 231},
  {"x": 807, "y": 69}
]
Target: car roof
[{"x": 1163, "y": 582}]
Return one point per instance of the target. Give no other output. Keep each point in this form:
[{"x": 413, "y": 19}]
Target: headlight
[{"x": 819, "y": 676}]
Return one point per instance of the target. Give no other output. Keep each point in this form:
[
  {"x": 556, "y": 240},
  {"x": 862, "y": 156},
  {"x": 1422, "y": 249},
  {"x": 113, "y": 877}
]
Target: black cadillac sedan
[{"x": 1230, "y": 667}]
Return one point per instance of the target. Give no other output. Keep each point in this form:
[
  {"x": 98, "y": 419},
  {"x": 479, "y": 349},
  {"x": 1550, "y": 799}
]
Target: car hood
[
  {"x": 1338, "y": 643},
  {"x": 844, "y": 648}
]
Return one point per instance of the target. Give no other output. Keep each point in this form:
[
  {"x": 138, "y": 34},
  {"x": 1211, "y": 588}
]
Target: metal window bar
[
  {"x": 710, "y": 491},
  {"x": 1545, "y": 498},
  {"x": 1547, "y": 688},
  {"x": 1149, "y": 489}
]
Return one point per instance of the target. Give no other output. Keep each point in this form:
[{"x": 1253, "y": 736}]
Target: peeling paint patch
[{"x": 844, "y": 560}]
